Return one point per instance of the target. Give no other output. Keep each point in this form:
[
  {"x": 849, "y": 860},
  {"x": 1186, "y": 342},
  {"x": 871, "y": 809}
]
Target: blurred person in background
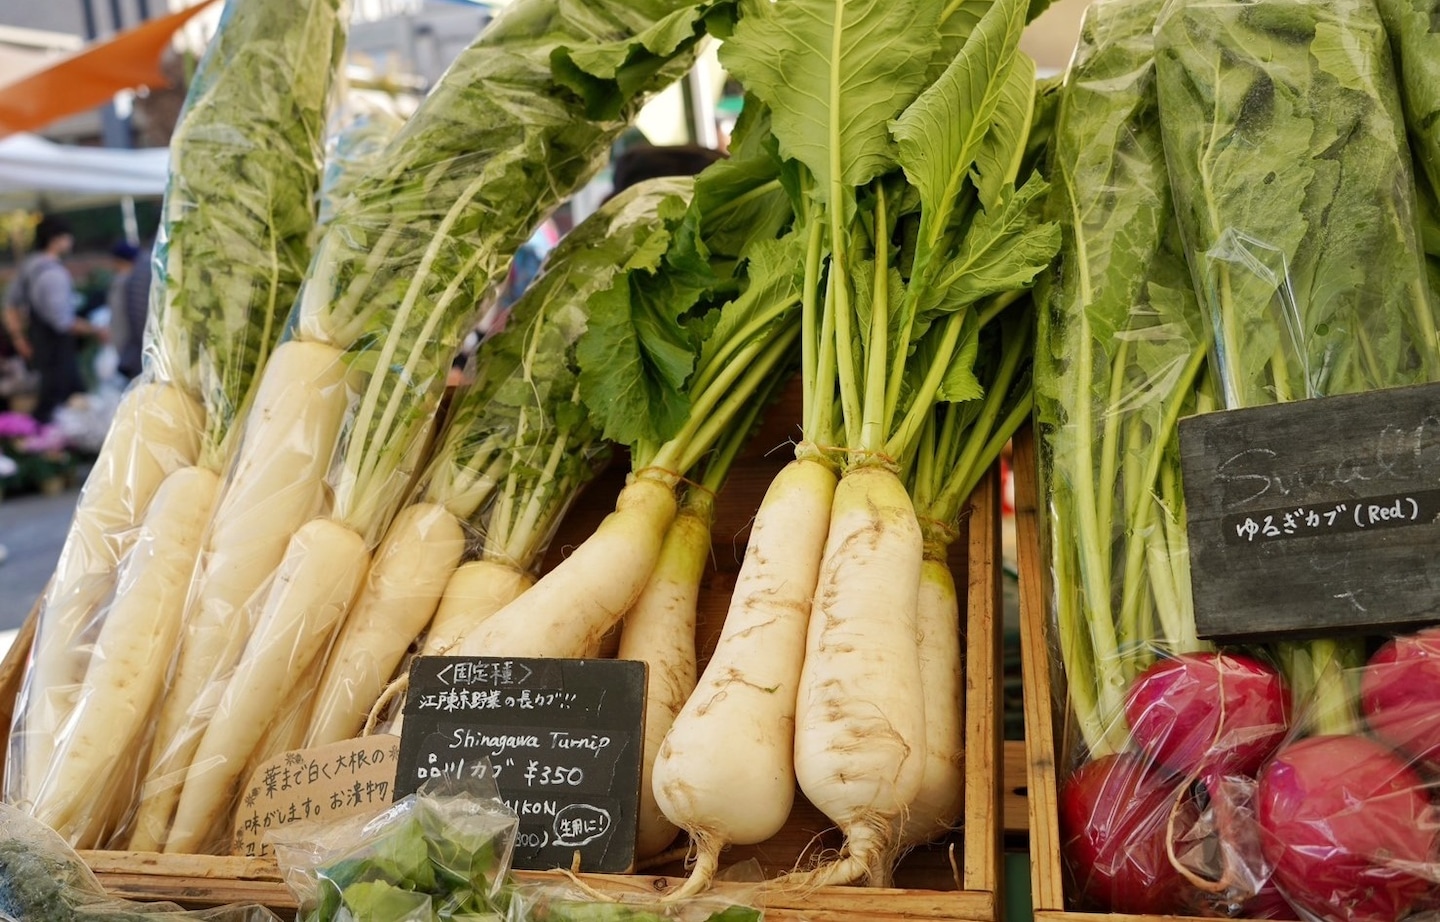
[
  {"x": 129, "y": 302},
  {"x": 41, "y": 316}
]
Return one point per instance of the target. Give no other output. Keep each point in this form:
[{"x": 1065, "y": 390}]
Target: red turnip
[
  {"x": 1114, "y": 814},
  {"x": 1399, "y": 689},
  {"x": 1347, "y": 826},
  {"x": 1209, "y": 714}
]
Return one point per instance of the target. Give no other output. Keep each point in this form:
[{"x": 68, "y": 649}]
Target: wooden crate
[
  {"x": 1044, "y": 724},
  {"x": 958, "y": 879}
]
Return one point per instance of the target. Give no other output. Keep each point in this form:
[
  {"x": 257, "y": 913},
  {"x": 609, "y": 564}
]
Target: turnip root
[
  {"x": 476, "y": 590},
  {"x": 736, "y": 731},
  {"x": 1398, "y": 693},
  {"x": 1115, "y": 822},
  {"x": 1348, "y": 827},
  {"x": 860, "y": 714},
  {"x": 156, "y": 431},
  {"x": 131, "y": 654},
  {"x": 322, "y": 570},
  {"x": 575, "y": 604},
  {"x": 941, "y": 798},
  {"x": 1213, "y": 714},
  {"x": 659, "y": 630},
  {"x": 274, "y": 485},
  {"x": 406, "y": 579}
]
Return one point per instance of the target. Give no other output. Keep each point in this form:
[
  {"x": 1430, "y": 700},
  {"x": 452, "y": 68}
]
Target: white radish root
[
  {"x": 725, "y": 771},
  {"x": 476, "y": 590},
  {"x": 860, "y": 714},
  {"x": 659, "y": 630},
  {"x": 156, "y": 431},
  {"x": 407, "y": 577},
  {"x": 275, "y": 484},
  {"x": 311, "y": 591},
  {"x": 940, "y": 802},
  {"x": 131, "y": 655},
  {"x": 573, "y": 605}
]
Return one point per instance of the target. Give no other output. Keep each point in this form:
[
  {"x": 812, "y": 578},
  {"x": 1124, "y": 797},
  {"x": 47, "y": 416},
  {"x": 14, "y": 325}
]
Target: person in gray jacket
[{"x": 41, "y": 317}]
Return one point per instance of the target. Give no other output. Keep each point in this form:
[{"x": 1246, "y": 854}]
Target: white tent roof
[{"x": 37, "y": 173}]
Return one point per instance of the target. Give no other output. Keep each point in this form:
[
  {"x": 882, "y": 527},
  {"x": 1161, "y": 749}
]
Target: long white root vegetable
[
  {"x": 941, "y": 800},
  {"x": 132, "y": 651},
  {"x": 156, "y": 431},
  {"x": 477, "y": 590},
  {"x": 275, "y": 485},
  {"x": 574, "y": 605},
  {"x": 312, "y": 589},
  {"x": 736, "y": 732},
  {"x": 659, "y": 630},
  {"x": 407, "y": 578},
  {"x": 860, "y": 714}
]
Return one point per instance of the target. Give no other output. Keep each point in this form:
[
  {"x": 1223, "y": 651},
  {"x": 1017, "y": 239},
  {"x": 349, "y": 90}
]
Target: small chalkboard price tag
[
  {"x": 1317, "y": 517},
  {"x": 563, "y": 738}
]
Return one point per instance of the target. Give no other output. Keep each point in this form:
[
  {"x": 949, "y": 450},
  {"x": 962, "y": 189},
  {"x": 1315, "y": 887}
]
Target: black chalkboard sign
[
  {"x": 1317, "y": 517},
  {"x": 563, "y": 738}
]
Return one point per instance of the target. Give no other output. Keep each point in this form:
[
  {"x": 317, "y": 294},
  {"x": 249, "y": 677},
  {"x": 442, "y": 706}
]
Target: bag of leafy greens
[
  {"x": 41, "y": 878},
  {"x": 1293, "y": 184}
]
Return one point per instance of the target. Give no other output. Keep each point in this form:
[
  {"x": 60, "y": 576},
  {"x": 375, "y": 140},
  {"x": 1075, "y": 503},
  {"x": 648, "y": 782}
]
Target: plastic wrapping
[
  {"x": 41, "y": 878},
  {"x": 515, "y": 450},
  {"x": 1120, "y": 358},
  {"x": 395, "y": 282},
  {"x": 234, "y": 241},
  {"x": 1292, "y": 177},
  {"x": 364, "y": 125},
  {"x": 442, "y": 853}
]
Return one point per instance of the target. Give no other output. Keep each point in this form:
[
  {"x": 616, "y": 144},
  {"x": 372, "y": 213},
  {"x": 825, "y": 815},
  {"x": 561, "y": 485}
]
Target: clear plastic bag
[
  {"x": 514, "y": 452},
  {"x": 234, "y": 242},
  {"x": 441, "y": 853},
  {"x": 1291, "y": 170},
  {"x": 41, "y": 878},
  {"x": 395, "y": 283}
]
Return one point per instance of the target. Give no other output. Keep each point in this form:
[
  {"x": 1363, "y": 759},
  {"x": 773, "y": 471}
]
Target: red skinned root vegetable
[
  {"x": 1346, "y": 825},
  {"x": 1209, "y": 714},
  {"x": 1114, "y": 821},
  {"x": 1399, "y": 689}
]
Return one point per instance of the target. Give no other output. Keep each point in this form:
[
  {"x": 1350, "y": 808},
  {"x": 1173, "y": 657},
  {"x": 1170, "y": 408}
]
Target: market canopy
[
  {"x": 36, "y": 173},
  {"x": 92, "y": 76}
]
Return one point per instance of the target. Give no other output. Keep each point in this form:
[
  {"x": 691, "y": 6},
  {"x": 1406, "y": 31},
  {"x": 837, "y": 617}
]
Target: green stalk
[
  {"x": 876, "y": 420},
  {"x": 811, "y": 336}
]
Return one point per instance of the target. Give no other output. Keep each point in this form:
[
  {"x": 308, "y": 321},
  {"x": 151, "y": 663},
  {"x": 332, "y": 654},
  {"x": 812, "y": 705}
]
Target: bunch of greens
[
  {"x": 1291, "y": 172},
  {"x": 239, "y": 220},
  {"x": 1414, "y": 30},
  {"x": 1118, "y": 361},
  {"x": 521, "y": 119}
]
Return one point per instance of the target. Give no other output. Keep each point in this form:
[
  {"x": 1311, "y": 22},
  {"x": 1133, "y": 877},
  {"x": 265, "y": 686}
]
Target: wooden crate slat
[
  {"x": 1046, "y": 880},
  {"x": 983, "y": 693}
]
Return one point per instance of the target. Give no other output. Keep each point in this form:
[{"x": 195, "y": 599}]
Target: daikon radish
[
  {"x": 659, "y": 630},
  {"x": 476, "y": 590},
  {"x": 275, "y": 485},
  {"x": 156, "y": 431},
  {"x": 575, "y": 604},
  {"x": 736, "y": 731},
  {"x": 323, "y": 569},
  {"x": 409, "y": 573},
  {"x": 939, "y": 800},
  {"x": 127, "y": 667},
  {"x": 860, "y": 713}
]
